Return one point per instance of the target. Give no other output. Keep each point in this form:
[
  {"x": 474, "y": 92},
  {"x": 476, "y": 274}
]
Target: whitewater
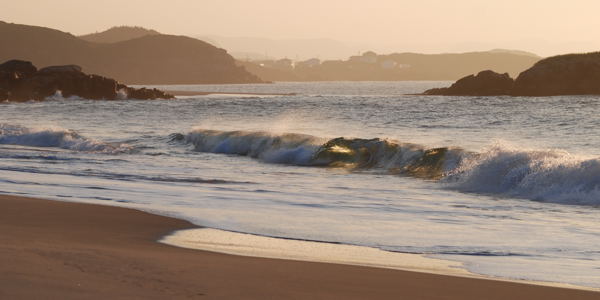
[{"x": 506, "y": 186}]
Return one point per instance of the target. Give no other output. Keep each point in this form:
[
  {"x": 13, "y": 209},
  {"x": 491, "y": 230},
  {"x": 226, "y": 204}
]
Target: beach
[
  {"x": 319, "y": 152},
  {"x": 358, "y": 167},
  {"x": 60, "y": 250}
]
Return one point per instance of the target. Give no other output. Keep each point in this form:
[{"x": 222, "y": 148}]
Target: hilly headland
[
  {"x": 145, "y": 59},
  {"x": 570, "y": 74}
]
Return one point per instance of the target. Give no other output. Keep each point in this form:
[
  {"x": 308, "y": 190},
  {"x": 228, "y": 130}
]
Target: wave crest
[
  {"x": 56, "y": 137},
  {"x": 307, "y": 150},
  {"x": 542, "y": 175},
  {"x": 286, "y": 148}
]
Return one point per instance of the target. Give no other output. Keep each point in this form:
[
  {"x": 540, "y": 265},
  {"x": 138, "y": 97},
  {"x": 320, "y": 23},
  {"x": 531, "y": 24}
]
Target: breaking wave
[
  {"x": 57, "y": 138},
  {"x": 541, "y": 175},
  {"x": 297, "y": 149},
  {"x": 307, "y": 150}
]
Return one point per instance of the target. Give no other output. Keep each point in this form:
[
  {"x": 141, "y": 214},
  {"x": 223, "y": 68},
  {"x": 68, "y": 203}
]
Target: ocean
[{"x": 507, "y": 186}]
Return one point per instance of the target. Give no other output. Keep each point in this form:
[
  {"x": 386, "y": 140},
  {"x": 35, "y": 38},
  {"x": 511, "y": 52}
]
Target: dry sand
[{"x": 59, "y": 250}]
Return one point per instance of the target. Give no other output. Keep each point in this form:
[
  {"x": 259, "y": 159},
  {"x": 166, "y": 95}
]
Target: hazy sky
[{"x": 545, "y": 27}]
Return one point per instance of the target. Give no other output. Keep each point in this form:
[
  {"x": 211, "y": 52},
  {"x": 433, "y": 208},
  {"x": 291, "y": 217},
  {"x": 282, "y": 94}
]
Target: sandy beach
[{"x": 60, "y": 250}]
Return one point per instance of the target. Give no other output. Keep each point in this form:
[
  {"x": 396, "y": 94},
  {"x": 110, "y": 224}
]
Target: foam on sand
[
  {"x": 243, "y": 244},
  {"x": 221, "y": 241}
]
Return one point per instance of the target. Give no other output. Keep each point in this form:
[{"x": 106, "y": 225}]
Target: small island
[
  {"x": 22, "y": 81},
  {"x": 571, "y": 74}
]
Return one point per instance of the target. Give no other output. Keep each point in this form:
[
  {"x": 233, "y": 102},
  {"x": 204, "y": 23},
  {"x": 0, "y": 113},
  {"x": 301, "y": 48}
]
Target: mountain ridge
[
  {"x": 118, "y": 34},
  {"x": 150, "y": 59}
]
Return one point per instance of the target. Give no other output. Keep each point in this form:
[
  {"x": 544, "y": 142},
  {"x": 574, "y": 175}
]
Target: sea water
[{"x": 507, "y": 186}]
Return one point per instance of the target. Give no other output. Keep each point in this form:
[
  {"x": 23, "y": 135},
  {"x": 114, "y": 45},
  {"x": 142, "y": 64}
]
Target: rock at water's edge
[
  {"x": 571, "y": 74},
  {"x": 21, "y": 81},
  {"x": 485, "y": 83}
]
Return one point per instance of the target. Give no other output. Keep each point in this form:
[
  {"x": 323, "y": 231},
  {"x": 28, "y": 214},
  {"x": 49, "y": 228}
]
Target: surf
[
  {"x": 500, "y": 169},
  {"x": 55, "y": 137}
]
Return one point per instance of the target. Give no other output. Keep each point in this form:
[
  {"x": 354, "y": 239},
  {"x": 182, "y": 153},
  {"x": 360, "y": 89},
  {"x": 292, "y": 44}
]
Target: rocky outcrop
[
  {"x": 143, "y": 93},
  {"x": 572, "y": 74},
  {"x": 485, "y": 83},
  {"x": 15, "y": 69},
  {"x": 21, "y": 81},
  {"x": 11, "y": 73}
]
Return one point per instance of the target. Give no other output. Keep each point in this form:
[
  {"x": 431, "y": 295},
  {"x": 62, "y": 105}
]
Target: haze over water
[
  {"x": 433, "y": 26},
  {"x": 516, "y": 193}
]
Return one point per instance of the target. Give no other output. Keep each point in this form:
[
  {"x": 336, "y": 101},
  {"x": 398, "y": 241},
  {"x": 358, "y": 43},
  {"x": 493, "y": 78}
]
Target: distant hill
[
  {"x": 118, "y": 34},
  {"x": 517, "y": 52},
  {"x": 301, "y": 49},
  {"x": 150, "y": 59},
  {"x": 397, "y": 66}
]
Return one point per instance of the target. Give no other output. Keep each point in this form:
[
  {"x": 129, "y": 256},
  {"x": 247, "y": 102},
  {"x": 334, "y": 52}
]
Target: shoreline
[
  {"x": 251, "y": 245},
  {"x": 66, "y": 250}
]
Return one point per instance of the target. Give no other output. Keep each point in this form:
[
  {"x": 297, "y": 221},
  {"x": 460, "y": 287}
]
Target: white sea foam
[
  {"x": 260, "y": 246},
  {"x": 501, "y": 169},
  {"x": 543, "y": 175},
  {"x": 286, "y": 148},
  {"x": 58, "y": 96},
  {"x": 55, "y": 137},
  {"x": 242, "y": 244}
]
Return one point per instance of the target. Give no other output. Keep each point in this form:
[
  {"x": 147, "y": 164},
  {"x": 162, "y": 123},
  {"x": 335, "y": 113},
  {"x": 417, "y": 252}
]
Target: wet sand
[{"x": 59, "y": 250}]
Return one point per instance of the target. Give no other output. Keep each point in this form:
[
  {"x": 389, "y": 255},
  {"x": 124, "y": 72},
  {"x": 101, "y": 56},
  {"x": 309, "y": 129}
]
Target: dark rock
[
  {"x": 18, "y": 83},
  {"x": 11, "y": 72},
  {"x": 18, "y": 68},
  {"x": 572, "y": 74},
  {"x": 3, "y": 94},
  {"x": 145, "y": 93},
  {"x": 69, "y": 80},
  {"x": 485, "y": 83}
]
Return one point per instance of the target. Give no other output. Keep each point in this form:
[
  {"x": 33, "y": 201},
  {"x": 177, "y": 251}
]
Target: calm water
[{"x": 509, "y": 186}]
